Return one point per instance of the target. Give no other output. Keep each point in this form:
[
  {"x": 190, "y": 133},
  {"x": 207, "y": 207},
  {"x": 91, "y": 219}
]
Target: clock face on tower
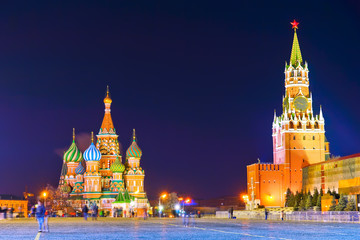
[{"x": 301, "y": 103}]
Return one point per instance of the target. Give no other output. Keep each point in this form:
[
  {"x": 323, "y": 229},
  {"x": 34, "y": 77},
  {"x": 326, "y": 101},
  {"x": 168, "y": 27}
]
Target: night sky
[{"x": 199, "y": 80}]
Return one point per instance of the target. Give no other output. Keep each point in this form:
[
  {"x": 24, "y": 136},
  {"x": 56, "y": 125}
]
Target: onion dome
[
  {"x": 134, "y": 150},
  {"x": 107, "y": 99},
  {"x": 73, "y": 154},
  {"x": 80, "y": 169},
  {"x": 117, "y": 166},
  {"x": 92, "y": 153}
]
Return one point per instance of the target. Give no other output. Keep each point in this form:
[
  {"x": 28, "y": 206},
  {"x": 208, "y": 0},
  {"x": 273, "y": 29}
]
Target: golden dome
[{"x": 107, "y": 99}]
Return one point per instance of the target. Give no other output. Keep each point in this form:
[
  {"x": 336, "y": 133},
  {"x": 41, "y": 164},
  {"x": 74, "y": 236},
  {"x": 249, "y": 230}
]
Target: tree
[
  {"x": 342, "y": 203},
  {"x": 302, "y": 205},
  {"x": 333, "y": 192},
  {"x": 291, "y": 200},
  {"x": 333, "y": 204},
  {"x": 321, "y": 192},
  {"x": 287, "y": 197},
  {"x": 329, "y": 191},
  {"x": 296, "y": 205},
  {"x": 170, "y": 202},
  {"x": 318, "y": 203},
  {"x": 308, "y": 203},
  {"x": 315, "y": 197},
  {"x": 350, "y": 206}
]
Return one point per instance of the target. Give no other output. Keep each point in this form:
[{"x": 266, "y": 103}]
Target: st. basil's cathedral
[{"x": 98, "y": 175}]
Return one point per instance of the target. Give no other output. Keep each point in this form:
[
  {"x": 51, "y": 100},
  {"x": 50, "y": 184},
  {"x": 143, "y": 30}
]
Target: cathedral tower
[
  {"x": 134, "y": 175},
  {"x": 92, "y": 177},
  {"x": 72, "y": 157},
  {"x": 107, "y": 143}
]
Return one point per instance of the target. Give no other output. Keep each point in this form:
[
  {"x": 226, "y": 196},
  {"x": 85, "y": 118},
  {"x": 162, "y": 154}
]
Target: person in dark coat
[
  {"x": 40, "y": 214},
  {"x": 95, "y": 211},
  {"x": 85, "y": 211}
]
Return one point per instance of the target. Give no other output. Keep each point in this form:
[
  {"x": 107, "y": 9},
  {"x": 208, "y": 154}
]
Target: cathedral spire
[
  {"x": 295, "y": 51},
  {"x": 73, "y": 134},
  {"x": 134, "y": 136},
  {"x": 107, "y": 126}
]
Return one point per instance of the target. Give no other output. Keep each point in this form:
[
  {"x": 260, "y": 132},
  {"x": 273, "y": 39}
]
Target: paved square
[{"x": 108, "y": 228}]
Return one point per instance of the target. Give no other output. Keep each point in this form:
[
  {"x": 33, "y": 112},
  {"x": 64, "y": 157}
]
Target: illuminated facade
[
  {"x": 298, "y": 138},
  {"x": 99, "y": 176}
]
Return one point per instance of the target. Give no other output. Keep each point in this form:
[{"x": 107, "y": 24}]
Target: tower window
[
  {"x": 294, "y": 147},
  {"x": 304, "y": 137},
  {"x": 313, "y": 137},
  {"x": 294, "y": 138}
]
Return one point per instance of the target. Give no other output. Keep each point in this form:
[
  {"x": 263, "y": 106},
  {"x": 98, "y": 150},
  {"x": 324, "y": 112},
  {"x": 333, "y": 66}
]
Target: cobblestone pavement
[{"x": 107, "y": 228}]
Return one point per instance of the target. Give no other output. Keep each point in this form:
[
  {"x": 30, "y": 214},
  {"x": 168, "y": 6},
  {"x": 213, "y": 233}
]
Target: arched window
[
  {"x": 316, "y": 125},
  {"x": 291, "y": 124},
  {"x": 308, "y": 125},
  {"x": 299, "y": 125},
  {"x": 294, "y": 138},
  {"x": 313, "y": 137},
  {"x": 294, "y": 147},
  {"x": 304, "y": 137}
]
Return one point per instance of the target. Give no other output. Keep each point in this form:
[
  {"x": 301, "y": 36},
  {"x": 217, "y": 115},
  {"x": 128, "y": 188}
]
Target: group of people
[
  {"x": 94, "y": 212},
  {"x": 5, "y": 210}
]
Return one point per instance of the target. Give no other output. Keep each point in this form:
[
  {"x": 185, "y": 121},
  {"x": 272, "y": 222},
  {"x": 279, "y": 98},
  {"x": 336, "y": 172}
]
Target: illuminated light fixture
[{"x": 177, "y": 207}]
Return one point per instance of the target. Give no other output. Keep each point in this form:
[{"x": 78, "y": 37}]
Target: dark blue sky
[{"x": 199, "y": 80}]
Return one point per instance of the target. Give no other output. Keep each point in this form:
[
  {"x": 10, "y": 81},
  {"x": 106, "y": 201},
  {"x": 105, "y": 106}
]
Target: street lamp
[
  {"x": 161, "y": 207},
  {"x": 44, "y": 195}
]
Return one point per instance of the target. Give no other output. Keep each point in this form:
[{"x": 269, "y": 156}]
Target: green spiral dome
[{"x": 73, "y": 154}]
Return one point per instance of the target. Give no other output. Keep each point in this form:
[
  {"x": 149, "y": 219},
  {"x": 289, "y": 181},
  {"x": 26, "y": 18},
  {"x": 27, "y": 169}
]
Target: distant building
[
  {"x": 298, "y": 138},
  {"x": 19, "y": 204},
  {"x": 98, "y": 175}
]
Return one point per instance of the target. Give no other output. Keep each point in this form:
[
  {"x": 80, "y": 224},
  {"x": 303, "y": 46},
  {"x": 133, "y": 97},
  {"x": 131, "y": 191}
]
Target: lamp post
[
  {"x": 161, "y": 207},
  {"x": 44, "y": 195}
]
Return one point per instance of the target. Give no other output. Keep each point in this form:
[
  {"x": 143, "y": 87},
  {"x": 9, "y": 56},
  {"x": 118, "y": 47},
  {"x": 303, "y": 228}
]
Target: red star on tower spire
[{"x": 294, "y": 24}]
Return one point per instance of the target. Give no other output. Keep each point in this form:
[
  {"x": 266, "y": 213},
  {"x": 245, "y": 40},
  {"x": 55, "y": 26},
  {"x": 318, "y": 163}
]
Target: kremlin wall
[{"x": 301, "y": 155}]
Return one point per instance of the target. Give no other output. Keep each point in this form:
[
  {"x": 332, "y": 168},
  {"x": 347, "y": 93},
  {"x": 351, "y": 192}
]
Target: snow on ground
[{"x": 108, "y": 228}]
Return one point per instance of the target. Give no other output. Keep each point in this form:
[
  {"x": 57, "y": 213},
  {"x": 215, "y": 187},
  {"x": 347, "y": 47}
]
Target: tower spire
[
  {"x": 134, "y": 136},
  {"x": 107, "y": 126},
  {"x": 92, "y": 137},
  {"x": 295, "y": 51},
  {"x": 73, "y": 134}
]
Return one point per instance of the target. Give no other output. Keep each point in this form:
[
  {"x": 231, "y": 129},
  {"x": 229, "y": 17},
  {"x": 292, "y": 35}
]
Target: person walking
[
  {"x": 40, "y": 213},
  {"x": 282, "y": 215},
  {"x": 85, "y": 211},
  {"x": 5, "y": 211},
  {"x": 11, "y": 212},
  {"x": 94, "y": 212},
  {"x": 266, "y": 214},
  {"x": 33, "y": 211},
  {"x": 46, "y": 221}
]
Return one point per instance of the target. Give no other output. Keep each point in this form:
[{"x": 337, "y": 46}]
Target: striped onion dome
[
  {"x": 117, "y": 166},
  {"x": 92, "y": 153},
  {"x": 73, "y": 154},
  {"x": 134, "y": 150},
  {"x": 80, "y": 169}
]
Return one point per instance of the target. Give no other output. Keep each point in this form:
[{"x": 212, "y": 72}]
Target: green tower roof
[
  {"x": 295, "y": 51},
  {"x": 127, "y": 196},
  {"x": 119, "y": 198}
]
